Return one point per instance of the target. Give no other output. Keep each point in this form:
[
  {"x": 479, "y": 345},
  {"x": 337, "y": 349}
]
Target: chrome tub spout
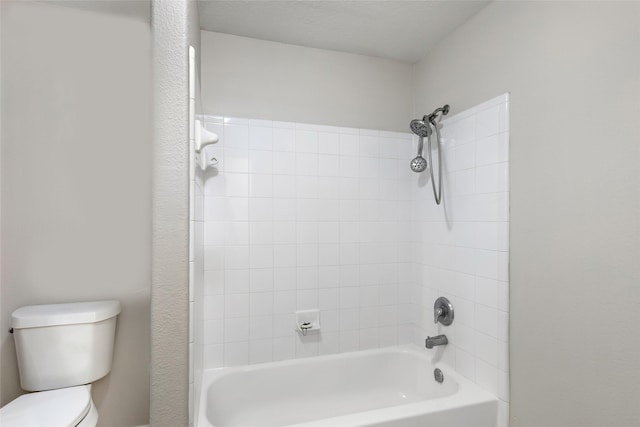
[{"x": 431, "y": 342}]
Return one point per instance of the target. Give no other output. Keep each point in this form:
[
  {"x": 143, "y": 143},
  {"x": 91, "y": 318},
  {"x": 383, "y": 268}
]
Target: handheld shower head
[
  {"x": 419, "y": 163},
  {"x": 423, "y": 130},
  {"x": 421, "y": 127}
]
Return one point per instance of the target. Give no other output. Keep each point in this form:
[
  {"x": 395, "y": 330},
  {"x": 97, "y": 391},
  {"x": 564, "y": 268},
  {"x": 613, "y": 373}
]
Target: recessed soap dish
[{"x": 307, "y": 321}]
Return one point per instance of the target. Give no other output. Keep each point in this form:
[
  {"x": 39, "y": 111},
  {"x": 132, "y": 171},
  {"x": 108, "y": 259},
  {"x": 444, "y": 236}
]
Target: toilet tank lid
[{"x": 35, "y": 316}]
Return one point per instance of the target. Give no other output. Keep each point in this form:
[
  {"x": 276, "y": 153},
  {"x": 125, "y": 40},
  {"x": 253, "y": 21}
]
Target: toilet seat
[{"x": 65, "y": 407}]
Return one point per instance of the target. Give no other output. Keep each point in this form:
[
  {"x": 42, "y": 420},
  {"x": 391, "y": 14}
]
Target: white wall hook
[{"x": 203, "y": 137}]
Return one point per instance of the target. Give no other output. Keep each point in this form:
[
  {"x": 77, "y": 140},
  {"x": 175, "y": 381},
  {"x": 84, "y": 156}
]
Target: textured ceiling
[{"x": 395, "y": 29}]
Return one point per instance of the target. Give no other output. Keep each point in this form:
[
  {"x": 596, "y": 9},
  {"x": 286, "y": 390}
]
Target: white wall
[
  {"x": 245, "y": 77},
  {"x": 1, "y": 96},
  {"x": 573, "y": 71},
  {"x": 76, "y": 182},
  {"x": 173, "y": 23}
]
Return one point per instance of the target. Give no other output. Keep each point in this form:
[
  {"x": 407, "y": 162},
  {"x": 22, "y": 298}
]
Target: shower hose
[{"x": 436, "y": 194}]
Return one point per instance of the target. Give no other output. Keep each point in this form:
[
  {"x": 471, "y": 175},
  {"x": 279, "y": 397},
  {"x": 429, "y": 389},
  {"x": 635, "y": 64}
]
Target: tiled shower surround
[
  {"x": 300, "y": 216},
  {"x": 464, "y": 247}
]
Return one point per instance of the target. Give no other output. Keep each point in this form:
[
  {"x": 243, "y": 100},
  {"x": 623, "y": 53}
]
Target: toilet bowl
[
  {"x": 61, "y": 349},
  {"x": 65, "y": 407}
]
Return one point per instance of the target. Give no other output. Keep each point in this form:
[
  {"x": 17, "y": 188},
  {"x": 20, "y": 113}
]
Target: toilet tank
[{"x": 64, "y": 345}]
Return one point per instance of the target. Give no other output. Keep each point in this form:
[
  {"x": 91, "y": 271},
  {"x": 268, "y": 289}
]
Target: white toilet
[{"x": 61, "y": 350}]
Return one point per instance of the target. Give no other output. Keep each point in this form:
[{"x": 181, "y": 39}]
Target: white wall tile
[
  {"x": 486, "y": 320},
  {"x": 465, "y": 364},
  {"x": 487, "y": 292},
  {"x": 328, "y": 254},
  {"x": 307, "y": 346},
  {"x": 284, "y": 209},
  {"x": 214, "y": 233},
  {"x": 284, "y": 140},
  {"x": 260, "y": 232},
  {"x": 284, "y": 348},
  {"x": 214, "y": 257},
  {"x": 349, "y": 297},
  {"x": 349, "y": 145},
  {"x": 235, "y": 257},
  {"x": 348, "y": 188},
  {"x": 284, "y": 163},
  {"x": 260, "y": 137},
  {"x": 328, "y": 165},
  {"x": 284, "y": 302},
  {"x": 236, "y": 233},
  {"x": 260, "y": 209},
  {"x": 213, "y": 332},
  {"x": 329, "y": 343},
  {"x": 503, "y": 355},
  {"x": 487, "y": 376},
  {"x": 284, "y": 278},
  {"x": 236, "y": 353},
  {"x": 369, "y": 143},
  {"x": 234, "y": 160},
  {"x": 328, "y": 143},
  {"x": 307, "y": 277},
  {"x": 236, "y": 136},
  {"x": 284, "y": 256},
  {"x": 260, "y": 327},
  {"x": 284, "y": 232},
  {"x": 236, "y": 305},
  {"x": 284, "y": 325},
  {"x": 236, "y": 281},
  {"x": 260, "y": 162},
  {"x": 260, "y": 351},
  {"x": 306, "y": 141},
  {"x": 307, "y": 232},
  {"x": 261, "y": 256},
  {"x": 502, "y": 302},
  {"x": 488, "y": 122},
  {"x": 307, "y": 299},
  {"x": 214, "y": 282},
  {"x": 307, "y": 164},
  {"x": 307, "y": 255},
  {"x": 236, "y": 329},
  {"x": 328, "y": 276},
  {"x": 260, "y": 185},
  {"x": 284, "y": 186},
  {"x": 213, "y": 356},
  {"x": 261, "y": 280},
  {"x": 237, "y": 208},
  {"x": 328, "y": 299}
]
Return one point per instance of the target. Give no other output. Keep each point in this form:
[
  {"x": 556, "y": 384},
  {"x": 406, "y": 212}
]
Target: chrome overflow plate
[{"x": 438, "y": 375}]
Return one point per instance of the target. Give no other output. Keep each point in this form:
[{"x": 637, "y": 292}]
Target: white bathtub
[{"x": 390, "y": 387}]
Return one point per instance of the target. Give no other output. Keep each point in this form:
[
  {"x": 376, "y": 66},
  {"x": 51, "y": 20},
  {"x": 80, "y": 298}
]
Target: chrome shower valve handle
[
  {"x": 443, "y": 311},
  {"x": 437, "y": 313}
]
